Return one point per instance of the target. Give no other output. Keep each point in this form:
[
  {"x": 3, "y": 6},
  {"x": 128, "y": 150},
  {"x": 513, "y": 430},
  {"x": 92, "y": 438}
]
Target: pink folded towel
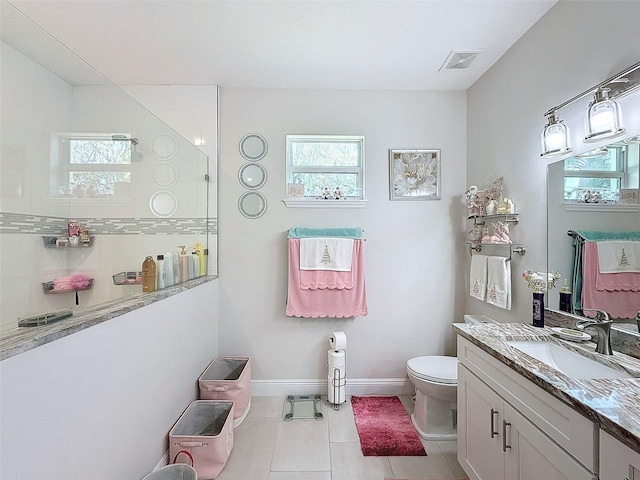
[
  {"x": 326, "y": 302},
  {"x": 325, "y": 279},
  {"x": 618, "y": 303}
]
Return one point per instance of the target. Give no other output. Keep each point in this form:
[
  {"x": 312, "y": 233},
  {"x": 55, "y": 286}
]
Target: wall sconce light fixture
[
  {"x": 555, "y": 137},
  {"x": 603, "y": 119}
]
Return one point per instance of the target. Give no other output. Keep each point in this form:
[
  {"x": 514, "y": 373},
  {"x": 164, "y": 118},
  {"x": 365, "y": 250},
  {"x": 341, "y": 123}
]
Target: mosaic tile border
[{"x": 19, "y": 223}]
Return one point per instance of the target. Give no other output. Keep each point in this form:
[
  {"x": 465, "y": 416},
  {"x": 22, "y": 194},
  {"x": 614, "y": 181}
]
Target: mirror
[
  {"x": 580, "y": 200},
  {"x": 253, "y": 147},
  {"x": 252, "y": 204},
  {"x": 252, "y": 176}
]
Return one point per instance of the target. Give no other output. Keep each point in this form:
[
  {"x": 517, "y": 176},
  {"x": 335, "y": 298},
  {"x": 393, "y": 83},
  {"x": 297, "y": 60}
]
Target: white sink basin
[{"x": 570, "y": 363}]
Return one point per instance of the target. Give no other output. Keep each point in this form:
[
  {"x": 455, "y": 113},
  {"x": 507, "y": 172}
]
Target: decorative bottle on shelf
[
  {"x": 565, "y": 298},
  {"x": 538, "y": 308},
  {"x": 148, "y": 275}
]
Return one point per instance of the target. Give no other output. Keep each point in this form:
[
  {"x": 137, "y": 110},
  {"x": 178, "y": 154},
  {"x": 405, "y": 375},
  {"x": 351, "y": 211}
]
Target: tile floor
[{"x": 268, "y": 448}]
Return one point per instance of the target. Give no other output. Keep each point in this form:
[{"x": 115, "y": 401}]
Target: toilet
[{"x": 435, "y": 379}]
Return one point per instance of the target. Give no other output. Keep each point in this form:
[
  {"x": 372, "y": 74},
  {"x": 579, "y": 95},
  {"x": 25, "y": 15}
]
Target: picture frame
[
  {"x": 629, "y": 195},
  {"x": 295, "y": 190},
  {"x": 414, "y": 174}
]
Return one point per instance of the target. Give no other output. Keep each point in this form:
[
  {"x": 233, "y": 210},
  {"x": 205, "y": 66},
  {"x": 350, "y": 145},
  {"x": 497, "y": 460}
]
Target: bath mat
[{"x": 385, "y": 428}]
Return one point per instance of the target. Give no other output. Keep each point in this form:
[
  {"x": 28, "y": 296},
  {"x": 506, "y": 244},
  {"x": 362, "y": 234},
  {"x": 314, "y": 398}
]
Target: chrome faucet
[{"x": 602, "y": 325}]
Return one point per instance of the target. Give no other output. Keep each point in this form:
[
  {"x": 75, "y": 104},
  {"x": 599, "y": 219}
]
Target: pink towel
[
  {"x": 326, "y": 279},
  {"x": 618, "y": 303},
  {"x": 326, "y": 302}
]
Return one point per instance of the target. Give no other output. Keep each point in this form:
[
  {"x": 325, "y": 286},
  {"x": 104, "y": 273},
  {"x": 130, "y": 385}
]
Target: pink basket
[
  {"x": 203, "y": 437},
  {"x": 228, "y": 378}
]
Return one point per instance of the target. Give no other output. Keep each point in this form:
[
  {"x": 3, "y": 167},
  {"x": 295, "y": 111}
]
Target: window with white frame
[
  {"x": 328, "y": 166},
  {"x": 92, "y": 165},
  {"x": 598, "y": 176}
]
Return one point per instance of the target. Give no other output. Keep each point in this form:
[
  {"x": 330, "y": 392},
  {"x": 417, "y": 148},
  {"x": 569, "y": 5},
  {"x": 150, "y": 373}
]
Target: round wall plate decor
[
  {"x": 252, "y": 204},
  {"x": 163, "y": 204},
  {"x": 252, "y": 176},
  {"x": 253, "y": 147}
]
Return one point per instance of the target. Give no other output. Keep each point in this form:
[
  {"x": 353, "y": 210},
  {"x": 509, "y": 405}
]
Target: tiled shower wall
[
  {"x": 125, "y": 233},
  {"x": 120, "y": 244}
]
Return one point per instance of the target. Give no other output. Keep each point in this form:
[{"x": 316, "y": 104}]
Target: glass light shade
[
  {"x": 555, "y": 138},
  {"x": 603, "y": 119}
]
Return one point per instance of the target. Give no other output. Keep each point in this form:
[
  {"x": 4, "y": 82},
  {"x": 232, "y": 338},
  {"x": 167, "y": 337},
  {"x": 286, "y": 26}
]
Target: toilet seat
[{"x": 435, "y": 368}]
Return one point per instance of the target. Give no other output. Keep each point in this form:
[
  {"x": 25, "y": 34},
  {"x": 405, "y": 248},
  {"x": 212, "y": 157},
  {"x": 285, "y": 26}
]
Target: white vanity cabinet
[
  {"x": 617, "y": 461},
  {"x": 510, "y": 429}
]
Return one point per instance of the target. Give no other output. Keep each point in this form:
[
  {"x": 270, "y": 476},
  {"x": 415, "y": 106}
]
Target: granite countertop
[
  {"x": 23, "y": 339},
  {"x": 611, "y": 403}
]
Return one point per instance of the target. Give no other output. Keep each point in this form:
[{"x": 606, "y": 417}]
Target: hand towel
[
  {"x": 499, "y": 282},
  {"x": 333, "y": 303},
  {"x": 478, "y": 276},
  {"x": 618, "y": 304},
  {"x": 326, "y": 254},
  {"x": 617, "y": 256}
]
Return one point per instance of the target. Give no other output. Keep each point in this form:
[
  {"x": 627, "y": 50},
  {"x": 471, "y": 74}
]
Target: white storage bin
[
  {"x": 205, "y": 432},
  {"x": 228, "y": 378}
]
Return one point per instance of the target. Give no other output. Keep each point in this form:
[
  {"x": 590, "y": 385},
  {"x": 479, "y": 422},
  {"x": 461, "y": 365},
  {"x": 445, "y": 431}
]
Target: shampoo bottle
[
  {"x": 202, "y": 266},
  {"x": 195, "y": 261},
  {"x": 160, "y": 272},
  {"x": 184, "y": 264},
  {"x": 168, "y": 269},
  {"x": 176, "y": 268},
  {"x": 148, "y": 275}
]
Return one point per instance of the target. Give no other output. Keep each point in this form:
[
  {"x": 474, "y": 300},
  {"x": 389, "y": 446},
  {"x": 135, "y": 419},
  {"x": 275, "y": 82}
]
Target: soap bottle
[
  {"x": 168, "y": 269},
  {"x": 565, "y": 298},
  {"x": 148, "y": 275},
  {"x": 184, "y": 264},
  {"x": 160, "y": 271},
  {"x": 202, "y": 266}
]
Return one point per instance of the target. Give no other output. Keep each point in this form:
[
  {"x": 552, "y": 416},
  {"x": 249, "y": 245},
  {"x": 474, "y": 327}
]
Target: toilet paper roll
[
  {"x": 339, "y": 372},
  {"x": 338, "y": 341},
  {"x": 336, "y": 359}
]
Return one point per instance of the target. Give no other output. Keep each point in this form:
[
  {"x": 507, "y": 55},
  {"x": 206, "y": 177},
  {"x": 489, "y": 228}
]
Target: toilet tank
[{"x": 478, "y": 319}]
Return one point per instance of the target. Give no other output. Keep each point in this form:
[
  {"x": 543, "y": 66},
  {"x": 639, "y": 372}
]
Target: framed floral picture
[{"x": 414, "y": 174}]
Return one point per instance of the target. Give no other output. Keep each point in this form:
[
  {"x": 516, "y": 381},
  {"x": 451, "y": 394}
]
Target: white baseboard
[{"x": 355, "y": 386}]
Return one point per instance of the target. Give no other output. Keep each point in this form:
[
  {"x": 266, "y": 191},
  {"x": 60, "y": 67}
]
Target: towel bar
[{"x": 513, "y": 248}]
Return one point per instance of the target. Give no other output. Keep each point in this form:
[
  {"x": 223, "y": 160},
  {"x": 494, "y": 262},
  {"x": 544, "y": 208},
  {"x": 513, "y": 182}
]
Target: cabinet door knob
[
  {"x": 493, "y": 412},
  {"x": 505, "y": 424}
]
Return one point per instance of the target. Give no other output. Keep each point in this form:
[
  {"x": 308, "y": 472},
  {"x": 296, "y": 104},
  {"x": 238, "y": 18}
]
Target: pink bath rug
[{"x": 385, "y": 428}]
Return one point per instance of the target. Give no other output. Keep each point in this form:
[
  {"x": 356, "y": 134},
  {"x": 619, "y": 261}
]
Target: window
[
  {"x": 91, "y": 165},
  {"x": 598, "y": 176},
  {"x": 326, "y": 164}
]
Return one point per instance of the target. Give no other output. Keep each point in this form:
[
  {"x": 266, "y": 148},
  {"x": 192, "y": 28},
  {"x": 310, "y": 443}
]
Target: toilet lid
[{"x": 435, "y": 368}]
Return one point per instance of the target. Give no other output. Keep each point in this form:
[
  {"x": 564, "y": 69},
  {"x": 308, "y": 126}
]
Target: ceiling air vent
[{"x": 459, "y": 60}]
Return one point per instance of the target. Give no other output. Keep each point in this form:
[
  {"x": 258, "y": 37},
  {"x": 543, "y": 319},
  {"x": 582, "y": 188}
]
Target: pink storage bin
[
  {"x": 203, "y": 436},
  {"x": 228, "y": 378}
]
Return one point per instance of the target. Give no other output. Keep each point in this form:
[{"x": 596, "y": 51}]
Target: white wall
[
  {"x": 414, "y": 251},
  {"x": 575, "y": 46},
  {"x": 99, "y": 404}
]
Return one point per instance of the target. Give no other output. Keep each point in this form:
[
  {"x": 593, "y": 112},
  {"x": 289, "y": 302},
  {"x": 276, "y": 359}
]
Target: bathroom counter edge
[
  {"x": 610, "y": 403},
  {"x": 22, "y": 339}
]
